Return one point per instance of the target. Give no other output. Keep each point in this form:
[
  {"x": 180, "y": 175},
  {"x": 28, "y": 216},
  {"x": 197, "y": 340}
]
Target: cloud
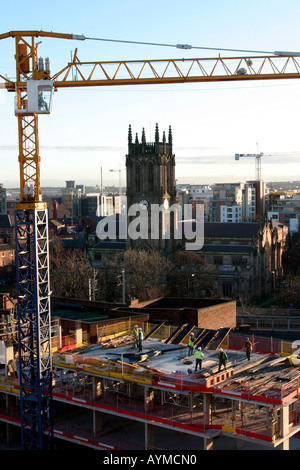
[
  {"x": 70, "y": 148},
  {"x": 204, "y": 159},
  {"x": 83, "y": 148}
]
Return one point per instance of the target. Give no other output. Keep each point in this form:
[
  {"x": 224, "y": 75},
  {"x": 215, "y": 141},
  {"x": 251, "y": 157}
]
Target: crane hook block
[{"x": 39, "y": 98}]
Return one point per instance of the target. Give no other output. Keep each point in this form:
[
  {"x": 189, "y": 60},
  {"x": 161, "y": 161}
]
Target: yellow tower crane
[{"x": 33, "y": 87}]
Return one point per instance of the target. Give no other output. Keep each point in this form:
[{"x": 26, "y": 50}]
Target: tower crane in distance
[
  {"x": 258, "y": 156},
  {"x": 33, "y": 87}
]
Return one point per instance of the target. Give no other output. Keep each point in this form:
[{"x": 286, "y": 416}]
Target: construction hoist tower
[
  {"x": 32, "y": 260},
  {"x": 33, "y": 89}
]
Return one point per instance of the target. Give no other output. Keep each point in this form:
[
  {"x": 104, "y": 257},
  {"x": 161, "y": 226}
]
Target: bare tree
[
  {"x": 289, "y": 292},
  {"x": 109, "y": 279},
  {"x": 70, "y": 272},
  {"x": 146, "y": 273},
  {"x": 191, "y": 276}
]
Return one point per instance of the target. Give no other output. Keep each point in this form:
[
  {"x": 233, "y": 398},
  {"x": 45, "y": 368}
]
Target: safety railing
[
  {"x": 230, "y": 417},
  {"x": 275, "y": 392},
  {"x": 79, "y": 434},
  {"x": 286, "y": 323}
]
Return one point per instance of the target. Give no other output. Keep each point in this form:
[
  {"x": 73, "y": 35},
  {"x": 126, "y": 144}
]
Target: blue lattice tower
[{"x": 34, "y": 322}]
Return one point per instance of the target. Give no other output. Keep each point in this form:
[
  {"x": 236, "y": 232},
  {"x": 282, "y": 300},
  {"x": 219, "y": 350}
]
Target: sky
[{"x": 87, "y": 129}]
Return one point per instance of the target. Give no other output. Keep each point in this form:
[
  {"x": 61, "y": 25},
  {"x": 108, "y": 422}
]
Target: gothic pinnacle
[
  {"x": 170, "y": 135},
  {"x": 156, "y": 133},
  {"x": 129, "y": 135}
]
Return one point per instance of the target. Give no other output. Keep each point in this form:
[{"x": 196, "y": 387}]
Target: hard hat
[
  {"x": 220, "y": 349},
  {"x": 135, "y": 326},
  {"x": 192, "y": 334},
  {"x": 199, "y": 349}
]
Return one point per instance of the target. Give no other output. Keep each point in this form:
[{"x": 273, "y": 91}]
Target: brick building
[
  {"x": 7, "y": 258},
  {"x": 204, "y": 313},
  {"x": 6, "y": 228}
]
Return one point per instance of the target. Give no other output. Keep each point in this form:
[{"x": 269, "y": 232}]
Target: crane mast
[
  {"x": 32, "y": 264},
  {"x": 33, "y": 89}
]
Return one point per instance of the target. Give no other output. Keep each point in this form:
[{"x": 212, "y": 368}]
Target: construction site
[
  {"x": 58, "y": 386},
  {"x": 109, "y": 396}
]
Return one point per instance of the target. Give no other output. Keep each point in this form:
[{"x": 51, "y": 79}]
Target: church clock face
[{"x": 143, "y": 204}]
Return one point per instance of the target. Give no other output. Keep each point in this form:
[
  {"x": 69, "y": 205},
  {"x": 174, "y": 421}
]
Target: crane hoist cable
[
  {"x": 82, "y": 37},
  {"x": 189, "y": 46}
]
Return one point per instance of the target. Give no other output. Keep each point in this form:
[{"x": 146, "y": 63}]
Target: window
[
  {"x": 227, "y": 289},
  {"x": 137, "y": 178},
  {"x": 150, "y": 177},
  {"x": 44, "y": 99}
]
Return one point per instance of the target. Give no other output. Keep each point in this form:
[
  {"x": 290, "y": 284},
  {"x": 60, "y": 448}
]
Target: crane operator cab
[{"x": 38, "y": 99}]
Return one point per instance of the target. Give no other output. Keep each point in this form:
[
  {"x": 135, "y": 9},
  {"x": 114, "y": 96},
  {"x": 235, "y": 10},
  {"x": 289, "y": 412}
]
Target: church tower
[{"x": 150, "y": 180}]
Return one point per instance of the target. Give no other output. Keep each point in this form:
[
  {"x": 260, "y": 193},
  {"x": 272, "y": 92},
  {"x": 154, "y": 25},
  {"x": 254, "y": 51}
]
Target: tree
[
  {"x": 191, "y": 276},
  {"x": 109, "y": 280},
  {"x": 289, "y": 292},
  {"x": 146, "y": 273},
  {"x": 70, "y": 272}
]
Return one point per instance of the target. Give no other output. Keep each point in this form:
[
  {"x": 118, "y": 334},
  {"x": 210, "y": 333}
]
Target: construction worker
[
  {"x": 199, "y": 356},
  {"x": 222, "y": 359},
  {"x": 41, "y": 102},
  {"x": 135, "y": 336},
  {"x": 248, "y": 347},
  {"x": 191, "y": 344},
  {"x": 9, "y": 322},
  {"x": 140, "y": 339}
]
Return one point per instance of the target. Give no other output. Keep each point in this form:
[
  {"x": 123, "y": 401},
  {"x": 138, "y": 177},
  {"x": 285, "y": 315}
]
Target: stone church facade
[
  {"x": 248, "y": 257},
  {"x": 150, "y": 182}
]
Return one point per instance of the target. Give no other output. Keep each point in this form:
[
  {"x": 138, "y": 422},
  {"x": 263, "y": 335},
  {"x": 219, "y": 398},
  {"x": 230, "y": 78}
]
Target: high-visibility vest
[
  {"x": 191, "y": 341},
  {"x": 134, "y": 332},
  {"x": 199, "y": 354},
  {"x": 222, "y": 356},
  {"x": 140, "y": 336}
]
